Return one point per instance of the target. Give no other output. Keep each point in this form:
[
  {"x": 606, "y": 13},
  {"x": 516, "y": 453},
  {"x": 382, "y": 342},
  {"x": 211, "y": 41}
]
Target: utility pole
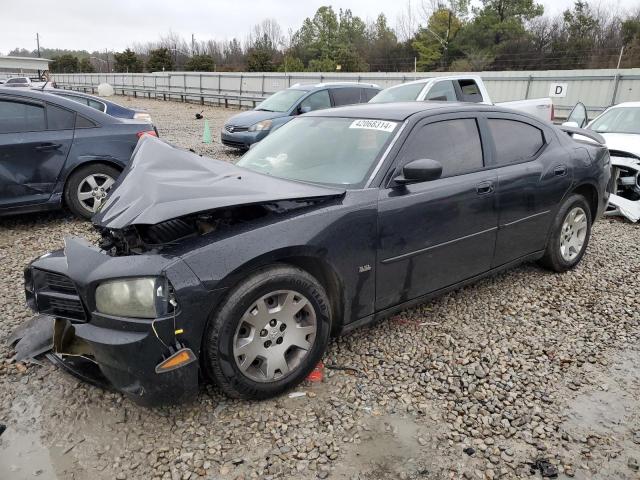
[
  {"x": 106, "y": 52},
  {"x": 38, "y": 43},
  {"x": 620, "y": 57},
  {"x": 193, "y": 44}
]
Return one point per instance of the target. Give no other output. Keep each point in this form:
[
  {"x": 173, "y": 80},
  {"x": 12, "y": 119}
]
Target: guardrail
[{"x": 597, "y": 89}]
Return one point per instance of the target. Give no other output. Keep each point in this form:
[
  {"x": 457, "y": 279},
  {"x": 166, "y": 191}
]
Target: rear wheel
[
  {"x": 269, "y": 334},
  {"x": 570, "y": 235},
  {"x": 88, "y": 187}
]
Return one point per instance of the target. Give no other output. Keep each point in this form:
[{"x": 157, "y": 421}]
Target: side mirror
[
  {"x": 305, "y": 109},
  {"x": 423, "y": 170}
]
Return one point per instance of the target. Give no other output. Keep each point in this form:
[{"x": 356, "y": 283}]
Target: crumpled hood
[
  {"x": 250, "y": 117},
  {"x": 623, "y": 142},
  {"x": 163, "y": 182}
]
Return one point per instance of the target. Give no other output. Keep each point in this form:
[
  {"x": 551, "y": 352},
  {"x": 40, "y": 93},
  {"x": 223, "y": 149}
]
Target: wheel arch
[
  {"x": 309, "y": 259},
  {"x": 590, "y": 192},
  {"x": 110, "y": 163}
]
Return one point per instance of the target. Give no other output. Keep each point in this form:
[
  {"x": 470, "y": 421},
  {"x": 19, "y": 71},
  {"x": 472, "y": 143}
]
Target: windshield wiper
[{"x": 264, "y": 110}]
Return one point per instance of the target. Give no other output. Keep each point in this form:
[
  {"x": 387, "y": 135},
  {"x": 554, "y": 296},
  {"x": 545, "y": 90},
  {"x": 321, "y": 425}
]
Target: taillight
[{"x": 153, "y": 133}]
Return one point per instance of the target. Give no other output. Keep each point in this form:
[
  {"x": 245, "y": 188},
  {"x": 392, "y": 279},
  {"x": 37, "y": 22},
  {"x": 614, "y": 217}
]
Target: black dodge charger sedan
[{"x": 240, "y": 274}]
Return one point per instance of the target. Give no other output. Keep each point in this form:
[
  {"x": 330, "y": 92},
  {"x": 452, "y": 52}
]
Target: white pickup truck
[{"x": 459, "y": 88}]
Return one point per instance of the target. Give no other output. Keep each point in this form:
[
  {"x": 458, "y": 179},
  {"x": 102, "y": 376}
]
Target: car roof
[
  {"x": 626, "y": 105},
  {"x": 313, "y": 86},
  {"x": 400, "y": 111},
  {"x": 438, "y": 77},
  {"x": 44, "y": 96}
]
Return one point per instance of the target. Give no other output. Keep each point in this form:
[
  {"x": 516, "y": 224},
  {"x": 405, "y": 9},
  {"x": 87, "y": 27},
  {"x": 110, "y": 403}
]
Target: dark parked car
[
  {"x": 241, "y": 273},
  {"x": 103, "y": 105},
  {"x": 54, "y": 151},
  {"x": 246, "y": 128}
]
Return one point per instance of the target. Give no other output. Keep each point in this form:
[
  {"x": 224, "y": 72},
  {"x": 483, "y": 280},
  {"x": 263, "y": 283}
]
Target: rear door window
[
  {"x": 21, "y": 117},
  {"x": 514, "y": 141},
  {"x": 317, "y": 101},
  {"x": 345, "y": 96},
  {"x": 442, "y": 91},
  {"x": 454, "y": 143},
  {"x": 470, "y": 91},
  {"x": 60, "y": 118},
  {"x": 368, "y": 94}
]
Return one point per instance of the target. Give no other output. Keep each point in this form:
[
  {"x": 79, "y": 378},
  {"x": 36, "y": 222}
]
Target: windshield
[
  {"x": 333, "y": 151},
  {"x": 404, "y": 93},
  {"x": 618, "y": 120},
  {"x": 281, "y": 101}
]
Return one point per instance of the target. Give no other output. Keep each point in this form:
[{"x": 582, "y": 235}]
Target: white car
[
  {"x": 459, "y": 88},
  {"x": 620, "y": 127},
  {"x": 25, "y": 82}
]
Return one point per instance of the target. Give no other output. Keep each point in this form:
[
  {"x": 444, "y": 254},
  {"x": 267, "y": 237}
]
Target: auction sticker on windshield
[{"x": 381, "y": 125}]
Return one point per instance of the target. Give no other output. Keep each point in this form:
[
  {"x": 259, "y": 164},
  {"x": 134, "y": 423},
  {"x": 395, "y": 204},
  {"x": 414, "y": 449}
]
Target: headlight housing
[
  {"x": 142, "y": 297},
  {"x": 263, "y": 125}
]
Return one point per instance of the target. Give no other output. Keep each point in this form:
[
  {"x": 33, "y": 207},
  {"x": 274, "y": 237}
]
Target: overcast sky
[{"x": 116, "y": 24}]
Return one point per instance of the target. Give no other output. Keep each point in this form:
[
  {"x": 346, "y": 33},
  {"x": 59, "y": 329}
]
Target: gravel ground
[{"x": 477, "y": 384}]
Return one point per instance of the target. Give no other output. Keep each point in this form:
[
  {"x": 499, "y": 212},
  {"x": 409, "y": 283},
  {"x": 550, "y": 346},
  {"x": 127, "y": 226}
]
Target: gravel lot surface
[{"x": 524, "y": 366}]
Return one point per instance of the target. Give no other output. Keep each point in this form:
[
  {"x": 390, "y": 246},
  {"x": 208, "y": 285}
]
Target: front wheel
[
  {"x": 569, "y": 236},
  {"x": 269, "y": 334}
]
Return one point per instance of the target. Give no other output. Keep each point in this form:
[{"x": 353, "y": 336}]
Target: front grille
[
  {"x": 56, "y": 295},
  {"x": 235, "y": 128},
  {"x": 59, "y": 283}
]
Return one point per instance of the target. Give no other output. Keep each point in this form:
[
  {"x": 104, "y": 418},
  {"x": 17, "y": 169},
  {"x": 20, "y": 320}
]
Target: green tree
[
  {"x": 262, "y": 54},
  {"x": 200, "y": 63},
  {"x": 160, "y": 60},
  {"x": 321, "y": 65},
  {"x": 66, "y": 63},
  {"x": 434, "y": 42},
  {"x": 291, "y": 64},
  {"x": 127, "y": 61},
  {"x": 85, "y": 66}
]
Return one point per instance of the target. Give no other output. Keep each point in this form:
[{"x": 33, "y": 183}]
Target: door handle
[
  {"x": 484, "y": 188},
  {"x": 43, "y": 147},
  {"x": 560, "y": 171}
]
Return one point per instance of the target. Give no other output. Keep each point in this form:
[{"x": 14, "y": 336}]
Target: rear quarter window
[
  {"x": 515, "y": 141},
  {"x": 59, "y": 118}
]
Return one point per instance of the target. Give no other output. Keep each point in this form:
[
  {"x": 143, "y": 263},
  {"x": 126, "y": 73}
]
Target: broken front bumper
[
  {"x": 122, "y": 353},
  {"x": 123, "y": 361}
]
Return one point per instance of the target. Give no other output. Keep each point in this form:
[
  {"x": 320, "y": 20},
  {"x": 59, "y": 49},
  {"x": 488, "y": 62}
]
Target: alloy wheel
[
  {"x": 573, "y": 234},
  {"x": 274, "y": 336},
  {"x": 93, "y": 190}
]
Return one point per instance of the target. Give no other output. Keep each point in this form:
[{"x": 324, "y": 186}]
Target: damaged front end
[
  {"x": 130, "y": 313},
  {"x": 625, "y": 198}
]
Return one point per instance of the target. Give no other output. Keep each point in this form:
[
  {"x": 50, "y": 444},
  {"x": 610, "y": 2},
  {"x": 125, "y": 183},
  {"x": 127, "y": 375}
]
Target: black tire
[
  {"x": 553, "y": 258},
  {"x": 218, "y": 357},
  {"x": 71, "y": 199}
]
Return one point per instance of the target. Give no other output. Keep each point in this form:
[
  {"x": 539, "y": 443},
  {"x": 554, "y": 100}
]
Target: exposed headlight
[
  {"x": 144, "y": 297},
  {"x": 263, "y": 125},
  {"x": 145, "y": 117}
]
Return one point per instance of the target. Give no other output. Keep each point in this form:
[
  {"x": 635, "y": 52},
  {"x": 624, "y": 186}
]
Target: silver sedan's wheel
[
  {"x": 93, "y": 190},
  {"x": 573, "y": 234},
  {"x": 274, "y": 336}
]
